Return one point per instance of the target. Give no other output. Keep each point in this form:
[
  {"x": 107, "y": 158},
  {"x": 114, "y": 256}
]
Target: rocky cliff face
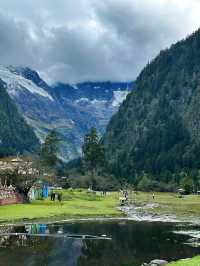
[{"x": 70, "y": 109}]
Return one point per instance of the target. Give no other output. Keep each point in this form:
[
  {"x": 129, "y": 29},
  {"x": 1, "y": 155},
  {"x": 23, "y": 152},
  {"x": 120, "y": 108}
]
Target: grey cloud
[
  {"x": 15, "y": 41},
  {"x": 91, "y": 40}
]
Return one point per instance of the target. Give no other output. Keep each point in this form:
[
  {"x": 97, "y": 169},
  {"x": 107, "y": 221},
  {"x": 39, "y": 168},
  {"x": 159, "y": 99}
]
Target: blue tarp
[{"x": 45, "y": 191}]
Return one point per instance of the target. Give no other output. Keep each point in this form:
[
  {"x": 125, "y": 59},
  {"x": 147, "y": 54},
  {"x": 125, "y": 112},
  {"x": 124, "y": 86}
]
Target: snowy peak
[
  {"x": 29, "y": 74},
  {"x": 106, "y": 91},
  {"x": 16, "y": 83}
]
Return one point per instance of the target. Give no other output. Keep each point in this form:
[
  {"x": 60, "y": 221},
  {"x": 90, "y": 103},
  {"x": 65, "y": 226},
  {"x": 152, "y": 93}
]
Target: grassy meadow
[
  {"x": 79, "y": 204},
  {"x": 188, "y": 262},
  {"x": 75, "y": 204},
  {"x": 170, "y": 203}
]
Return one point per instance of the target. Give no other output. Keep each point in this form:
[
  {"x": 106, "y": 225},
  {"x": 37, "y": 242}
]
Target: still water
[{"x": 131, "y": 244}]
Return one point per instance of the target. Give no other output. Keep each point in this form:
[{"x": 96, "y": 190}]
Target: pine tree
[
  {"x": 49, "y": 150},
  {"x": 93, "y": 152}
]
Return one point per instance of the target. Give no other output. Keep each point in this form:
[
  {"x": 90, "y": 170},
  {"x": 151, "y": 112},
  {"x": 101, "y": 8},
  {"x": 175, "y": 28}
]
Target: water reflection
[
  {"x": 37, "y": 229},
  {"x": 131, "y": 244}
]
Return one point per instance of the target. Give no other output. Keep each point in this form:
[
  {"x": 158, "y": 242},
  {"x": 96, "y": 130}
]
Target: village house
[{"x": 8, "y": 193}]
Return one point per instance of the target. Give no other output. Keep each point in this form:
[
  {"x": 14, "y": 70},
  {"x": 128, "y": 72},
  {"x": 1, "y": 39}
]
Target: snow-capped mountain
[
  {"x": 17, "y": 84},
  {"x": 70, "y": 109}
]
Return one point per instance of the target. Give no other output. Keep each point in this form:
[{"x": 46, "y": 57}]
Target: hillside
[
  {"x": 157, "y": 128},
  {"x": 15, "y": 135},
  {"x": 70, "y": 109}
]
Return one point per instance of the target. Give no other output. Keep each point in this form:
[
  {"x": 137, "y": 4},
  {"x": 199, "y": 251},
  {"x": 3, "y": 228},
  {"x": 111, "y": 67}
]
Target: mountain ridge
[{"x": 157, "y": 128}]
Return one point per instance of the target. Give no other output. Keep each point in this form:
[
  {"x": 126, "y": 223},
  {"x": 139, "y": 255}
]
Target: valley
[
  {"x": 69, "y": 109},
  {"x": 100, "y": 133}
]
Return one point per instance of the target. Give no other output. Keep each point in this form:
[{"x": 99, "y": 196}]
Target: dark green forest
[
  {"x": 15, "y": 135},
  {"x": 156, "y": 133}
]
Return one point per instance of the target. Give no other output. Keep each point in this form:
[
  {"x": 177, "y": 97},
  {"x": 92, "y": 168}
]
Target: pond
[{"x": 109, "y": 243}]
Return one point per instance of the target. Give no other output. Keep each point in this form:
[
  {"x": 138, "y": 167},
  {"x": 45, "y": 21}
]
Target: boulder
[{"x": 158, "y": 263}]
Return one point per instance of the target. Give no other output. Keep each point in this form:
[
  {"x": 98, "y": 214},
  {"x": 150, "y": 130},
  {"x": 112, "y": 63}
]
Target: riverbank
[
  {"x": 164, "y": 207},
  {"x": 75, "y": 204}
]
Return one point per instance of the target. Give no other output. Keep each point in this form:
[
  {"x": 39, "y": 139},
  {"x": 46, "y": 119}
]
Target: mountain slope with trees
[
  {"x": 15, "y": 135},
  {"x": 156, "y": 132}
]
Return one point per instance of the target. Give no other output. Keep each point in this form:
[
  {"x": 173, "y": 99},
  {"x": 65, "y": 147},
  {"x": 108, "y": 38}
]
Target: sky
[{"x": 91, "y": 40}]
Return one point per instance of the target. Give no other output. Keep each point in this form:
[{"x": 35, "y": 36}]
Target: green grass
[
  {"x": 169, "y": 203},
  {"x": 78, "y": 204},
  {"x": 191, "y": 262},
  {"x": 75, "y": 204}
]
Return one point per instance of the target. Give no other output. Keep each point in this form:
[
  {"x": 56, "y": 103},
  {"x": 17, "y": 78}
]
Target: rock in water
[{"x": 158, "y": 263}]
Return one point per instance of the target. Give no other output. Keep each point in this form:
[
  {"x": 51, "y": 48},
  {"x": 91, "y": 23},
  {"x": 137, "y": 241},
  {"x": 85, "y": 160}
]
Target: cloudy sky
[{"x": 78, "y": 40}]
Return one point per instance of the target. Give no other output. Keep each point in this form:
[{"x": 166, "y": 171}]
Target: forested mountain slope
[
  {"x": 15, "y": 135},
  {"x": 157, "y": 128}
]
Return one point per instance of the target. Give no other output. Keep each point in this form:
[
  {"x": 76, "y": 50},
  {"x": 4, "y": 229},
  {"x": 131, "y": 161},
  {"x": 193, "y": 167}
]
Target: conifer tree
[
  {"x": 93, "y": 152},
  {"x": 49, "y": 150}
]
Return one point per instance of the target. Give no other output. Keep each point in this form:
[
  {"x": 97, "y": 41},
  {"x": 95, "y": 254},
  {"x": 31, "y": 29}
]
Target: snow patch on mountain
[
  {"x": 82, "y": 100},
  {"x": 15, "y": 83},
  {"x": 95, "y": 101},
  {"x": 75, "y": 86},
  {"x": 119, "y": 97}
]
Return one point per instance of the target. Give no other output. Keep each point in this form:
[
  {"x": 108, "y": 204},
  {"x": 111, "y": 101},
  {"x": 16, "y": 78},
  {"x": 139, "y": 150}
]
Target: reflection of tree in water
[
  {"x": 38, "y": 251},
  {"x": 18, "y": 241}
]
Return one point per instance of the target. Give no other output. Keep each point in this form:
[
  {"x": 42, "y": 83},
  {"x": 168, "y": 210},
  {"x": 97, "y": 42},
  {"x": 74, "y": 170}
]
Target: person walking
[{"x": 59, "y": 197}]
